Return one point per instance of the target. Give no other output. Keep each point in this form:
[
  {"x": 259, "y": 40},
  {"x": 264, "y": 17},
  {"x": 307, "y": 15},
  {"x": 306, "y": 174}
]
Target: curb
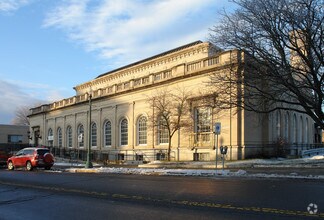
[{"x": 83, "y": 170}]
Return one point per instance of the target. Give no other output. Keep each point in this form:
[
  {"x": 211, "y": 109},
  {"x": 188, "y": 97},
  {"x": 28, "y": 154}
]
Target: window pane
[
  {"x": 15, "y": 138},
  {"x": 50, "y": 137},
  {"x": 50, "y": 132},
  {"x": 69, "y": 137},
  {"x": 59, "y": 137},
  {"x": 203, "y": 124},
  {"x": 81, "y": 136},
  {"x": 94, "y": 135},
  {"x": 286, "y": 126},
  {"x": 278, "y": 124},
  {"x": 107, "y": 133},
  {"x": 306, "y": 131},
  {"x": 124, "y": 132},
  {"x": 42, "y": 151},
  {"x": 163, "y": 132},
  {"x": 142, "y": 130}
]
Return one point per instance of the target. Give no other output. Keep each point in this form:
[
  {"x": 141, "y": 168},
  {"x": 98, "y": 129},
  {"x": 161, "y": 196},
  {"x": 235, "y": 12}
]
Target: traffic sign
[
  {"x": 217, "y": 128},
  {"x": 80, "y": 138}
]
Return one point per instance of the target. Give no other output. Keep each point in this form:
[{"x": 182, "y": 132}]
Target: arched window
[
  {"x": 306, "y": 131},
  {"x": 80, "y": 136},
  {"x": 295, "y": 129},
  {"x": 123, "y": 132},
  {"x": 59, "y": 137},
  {"x": 93, "y": 135},
  {"x": 278, "y": 124},
  {"x": 69, "y": 136},
  {"x": 107, "y": 134},
  {"x": 163, "y": 133},
  {"x": 50, "y": 137},
  {"x": 142, "y": 130},
  {"x": 287, "y": 126},
  {"x": 301, "y": 130}
]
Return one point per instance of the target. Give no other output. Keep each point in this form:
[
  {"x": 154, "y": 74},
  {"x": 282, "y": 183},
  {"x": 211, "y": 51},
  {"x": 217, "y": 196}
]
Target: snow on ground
[
  {"x": 316, "y": 161},
  {"x": 189, "y": 172}
]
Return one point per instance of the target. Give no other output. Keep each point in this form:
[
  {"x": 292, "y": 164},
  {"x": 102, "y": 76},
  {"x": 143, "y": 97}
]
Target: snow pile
[
  {"x": 62, "y": 164},
  {"x": 317, "y": 157},
  {"x": 159, "y": 172},
  {"x": 315, "y": 161},
  {"x": 198, "y": 168},
  {"x": 188, "y": 172}
]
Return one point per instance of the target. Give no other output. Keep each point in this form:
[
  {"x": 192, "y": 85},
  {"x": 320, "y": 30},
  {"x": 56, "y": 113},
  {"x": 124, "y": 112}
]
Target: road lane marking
[{"x": 176, "y": 202}]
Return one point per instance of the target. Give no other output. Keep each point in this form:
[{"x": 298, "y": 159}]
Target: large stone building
[{"x": 122, "y": 119}]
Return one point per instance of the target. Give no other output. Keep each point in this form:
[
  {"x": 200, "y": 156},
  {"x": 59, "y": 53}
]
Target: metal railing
[
  {"x": 112, "y": 156},
  {"x": 234, "y": 152}
]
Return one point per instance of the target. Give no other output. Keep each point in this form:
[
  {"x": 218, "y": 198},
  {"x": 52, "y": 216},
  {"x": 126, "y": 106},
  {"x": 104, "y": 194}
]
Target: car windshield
[
  {"x": 20, "y": 152},
  {"x": 42, "y": 151}
]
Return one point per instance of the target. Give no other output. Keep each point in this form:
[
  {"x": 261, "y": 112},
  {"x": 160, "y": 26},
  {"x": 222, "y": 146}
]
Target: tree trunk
[{"x": 169, "y": 149}]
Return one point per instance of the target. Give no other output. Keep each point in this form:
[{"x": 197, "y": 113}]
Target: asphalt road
[{"x": 50, "y": 195}]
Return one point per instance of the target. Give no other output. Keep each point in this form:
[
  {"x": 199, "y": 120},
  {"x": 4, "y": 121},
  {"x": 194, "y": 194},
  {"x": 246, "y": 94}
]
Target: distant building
[
  {"x": 120, "y": 126},
  {"x": 14, "y": 134}
]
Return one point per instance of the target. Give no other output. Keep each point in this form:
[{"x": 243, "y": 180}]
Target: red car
[{"x": 31, "y": 157}]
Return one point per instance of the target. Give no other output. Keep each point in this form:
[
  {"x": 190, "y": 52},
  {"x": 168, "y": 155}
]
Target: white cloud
[
  {"x": 12, "y": 5},
  {"x": 15, "y": 94},
  {"x": 11, "y": 98},
  {"x": 128, "y": 30},
  {"x": 39, "y": 91}
]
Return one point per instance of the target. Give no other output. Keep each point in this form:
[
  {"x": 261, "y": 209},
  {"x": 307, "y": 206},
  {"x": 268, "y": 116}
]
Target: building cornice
[
  {"x": 155, "y": 57},
  {"x": 148, "y": 64},
  {"x": 221, "y": 61}
]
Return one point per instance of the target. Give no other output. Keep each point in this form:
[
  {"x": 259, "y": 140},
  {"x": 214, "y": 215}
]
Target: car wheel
[
  {"x": 10, "y": 165},
  {"x": 29, "y": 166}
]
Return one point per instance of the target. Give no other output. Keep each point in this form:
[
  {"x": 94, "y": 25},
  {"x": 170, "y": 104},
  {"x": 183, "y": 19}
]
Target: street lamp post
[{"x": 88, "y": 163}]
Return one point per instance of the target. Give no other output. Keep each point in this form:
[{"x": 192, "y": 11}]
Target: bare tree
[
  {"x": 169, "y": 111},
  {"x": 21, "y": 114},
  {"x": 283, "y": 45}
]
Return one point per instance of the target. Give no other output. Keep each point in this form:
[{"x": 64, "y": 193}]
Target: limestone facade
[{"x": 120, "y": 112}]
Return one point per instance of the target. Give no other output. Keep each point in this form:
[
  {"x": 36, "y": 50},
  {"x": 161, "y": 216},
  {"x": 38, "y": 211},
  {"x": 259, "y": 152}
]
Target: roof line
[{"x": 153, "y": 57}]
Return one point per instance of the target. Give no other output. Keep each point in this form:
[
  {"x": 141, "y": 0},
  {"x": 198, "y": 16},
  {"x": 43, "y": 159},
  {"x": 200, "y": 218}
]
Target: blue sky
[{"x": 50, "y": 46}]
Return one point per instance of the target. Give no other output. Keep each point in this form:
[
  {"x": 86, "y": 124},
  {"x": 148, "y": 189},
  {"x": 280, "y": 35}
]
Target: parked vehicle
[
  {"x": 30, "y": 158},
  {"x": 4, "y": 155}
]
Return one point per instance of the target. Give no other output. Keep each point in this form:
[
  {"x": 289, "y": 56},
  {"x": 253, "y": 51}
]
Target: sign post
[{"x": 217, "y": 131}]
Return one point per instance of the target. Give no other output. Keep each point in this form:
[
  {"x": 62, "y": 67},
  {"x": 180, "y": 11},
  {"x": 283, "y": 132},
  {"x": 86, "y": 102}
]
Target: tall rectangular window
[
  {"x": 50, "y": 137},
  {"x": 142, "y": 130},
  {"x": 59, "y": 137},
  {"x": 124, "y": 132},
  {"x": 69, "y": 136},
  {"x": 93, "y": 135},
  {"x": 107, "y": 134},
  {"x": 81, "y": 136},
  {"x": 203, "y": 123},
  {"x": 163, "y": 132}
]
